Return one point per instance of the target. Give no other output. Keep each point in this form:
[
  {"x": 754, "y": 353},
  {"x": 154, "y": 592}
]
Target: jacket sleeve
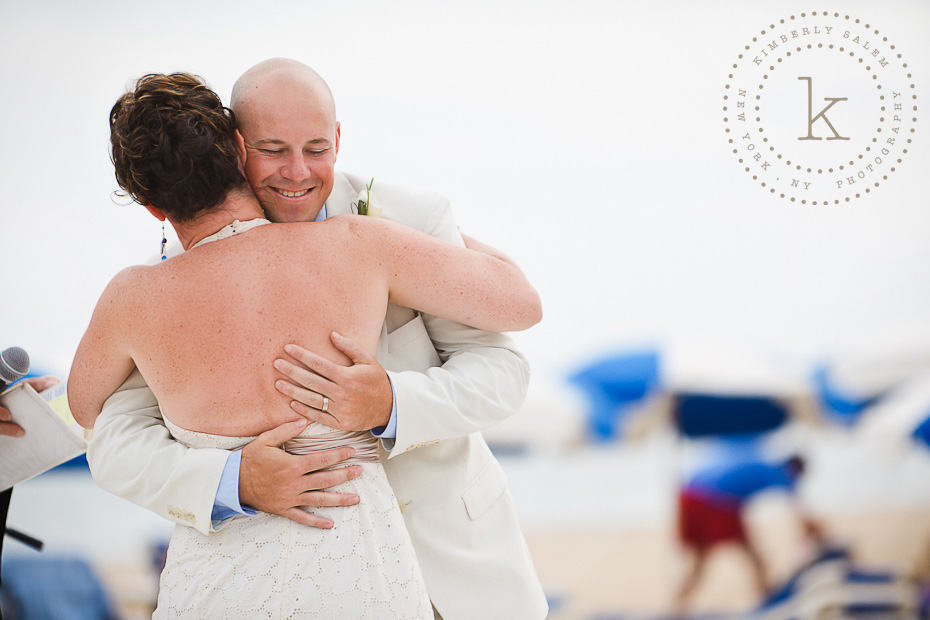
[
  {"x": 133, "y": 455},
  {"x": 482, "y": 380}
]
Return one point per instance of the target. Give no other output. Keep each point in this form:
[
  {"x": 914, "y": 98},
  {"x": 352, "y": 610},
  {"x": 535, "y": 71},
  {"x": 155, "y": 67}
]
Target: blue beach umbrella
[
  {"x": 613, "y": 384},
  {"x": 699, "y": 415},
  {"x": 861, "y": 378},
  {"x": 840, "y": 404},
  {"x": 902, "y": 415},
  {"x": 922, "y": 433}
]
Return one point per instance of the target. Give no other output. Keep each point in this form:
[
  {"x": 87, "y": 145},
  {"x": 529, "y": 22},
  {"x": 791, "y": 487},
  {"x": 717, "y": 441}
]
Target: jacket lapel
[{"x": 341, "y": 198}]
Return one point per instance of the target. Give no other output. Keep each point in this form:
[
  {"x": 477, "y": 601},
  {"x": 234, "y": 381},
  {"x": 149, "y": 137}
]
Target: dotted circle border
[{"x": 842, "y": 50}]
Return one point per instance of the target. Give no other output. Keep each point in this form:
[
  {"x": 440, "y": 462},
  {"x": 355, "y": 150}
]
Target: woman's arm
[
  {"x": 473, "y": 244},
  {"x": 476, "y": 288},
  {"x": 102, "y": 361}
]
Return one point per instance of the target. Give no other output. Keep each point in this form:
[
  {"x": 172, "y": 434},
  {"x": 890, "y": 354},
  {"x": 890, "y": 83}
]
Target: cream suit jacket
[{"x": 451, "y": 490}]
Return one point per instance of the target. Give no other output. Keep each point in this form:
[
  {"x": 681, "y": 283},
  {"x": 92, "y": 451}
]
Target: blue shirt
[
  {"x": 227, "y": 504},
  {"x": 737, "y": 482}
]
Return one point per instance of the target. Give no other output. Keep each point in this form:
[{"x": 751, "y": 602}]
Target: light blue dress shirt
[{"x": 227, "y": 504}]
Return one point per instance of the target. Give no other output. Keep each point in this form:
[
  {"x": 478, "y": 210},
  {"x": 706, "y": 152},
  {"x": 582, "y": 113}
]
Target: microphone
[{"x": 14, "y": 365}]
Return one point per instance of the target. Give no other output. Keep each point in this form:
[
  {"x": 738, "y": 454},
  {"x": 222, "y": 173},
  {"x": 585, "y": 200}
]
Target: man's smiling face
[{"x": 291, "y": 139}]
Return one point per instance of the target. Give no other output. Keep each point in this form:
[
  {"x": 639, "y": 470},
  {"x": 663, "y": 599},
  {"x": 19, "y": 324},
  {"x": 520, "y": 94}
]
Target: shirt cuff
[
  {"x": 389, "y": 431},
  {"x": 227, "y": 504}
]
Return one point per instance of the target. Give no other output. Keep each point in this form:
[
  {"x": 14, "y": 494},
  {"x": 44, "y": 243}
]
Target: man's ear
[
  {"x": 240, "y": 146},
  {"x": 338, "y": 135},
  {"x": 158, "y": 213}
]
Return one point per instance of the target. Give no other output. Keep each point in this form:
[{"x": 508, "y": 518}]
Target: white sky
[{"x": 583, "y": 138}]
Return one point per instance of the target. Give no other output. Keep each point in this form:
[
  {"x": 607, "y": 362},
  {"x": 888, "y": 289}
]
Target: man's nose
[{"x": 295, "y": 168}]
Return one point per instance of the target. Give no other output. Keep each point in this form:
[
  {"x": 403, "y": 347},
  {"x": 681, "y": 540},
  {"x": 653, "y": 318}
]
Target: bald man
[{"x": 433, "y": 386}]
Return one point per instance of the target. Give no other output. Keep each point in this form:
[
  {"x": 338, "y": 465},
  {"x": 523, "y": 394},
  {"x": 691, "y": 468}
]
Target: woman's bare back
[
  {"x": 208, "y": 324},
  {"x": 203, "y": 328}
]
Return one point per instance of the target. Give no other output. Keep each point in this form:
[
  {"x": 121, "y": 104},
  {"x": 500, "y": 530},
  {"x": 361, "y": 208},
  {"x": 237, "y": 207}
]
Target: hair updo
[{"x": 173, "y": 145}]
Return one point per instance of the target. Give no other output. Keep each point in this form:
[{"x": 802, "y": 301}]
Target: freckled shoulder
[
  {"x": 358, "y": 228},
  {"x": 131, "y": 278},
  {"x": 128, "y": 286},
  {"x": 352, "y": 223}
]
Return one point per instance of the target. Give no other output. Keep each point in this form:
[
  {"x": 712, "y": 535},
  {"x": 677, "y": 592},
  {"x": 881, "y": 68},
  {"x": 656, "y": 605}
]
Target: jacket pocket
[{"x": 484, "y": 490}]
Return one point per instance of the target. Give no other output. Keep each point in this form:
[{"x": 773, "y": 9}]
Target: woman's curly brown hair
[{"x": 173, "y": 145}]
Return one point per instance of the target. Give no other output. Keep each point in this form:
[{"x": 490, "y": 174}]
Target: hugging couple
[{"x": 302, "y": 389}]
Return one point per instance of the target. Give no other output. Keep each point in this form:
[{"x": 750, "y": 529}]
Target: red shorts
[{"x": 703, "y": 523}]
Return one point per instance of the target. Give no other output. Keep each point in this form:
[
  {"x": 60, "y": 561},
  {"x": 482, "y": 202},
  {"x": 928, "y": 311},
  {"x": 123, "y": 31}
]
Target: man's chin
[
  {"x": 284, "y": 213},
  {"x": 296, "y": 217}
]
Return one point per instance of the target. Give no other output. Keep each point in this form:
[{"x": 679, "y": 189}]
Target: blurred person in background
[
  {"x": 9, "y": 429},
  {"x": 711, "y": 512}
]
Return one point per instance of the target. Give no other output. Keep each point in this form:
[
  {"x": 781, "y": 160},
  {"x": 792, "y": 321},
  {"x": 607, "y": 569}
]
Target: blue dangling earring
[{"x": 164, "y": 241}]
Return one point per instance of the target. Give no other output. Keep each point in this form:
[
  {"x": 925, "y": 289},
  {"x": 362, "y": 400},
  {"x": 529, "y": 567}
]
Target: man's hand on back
[
  {"x": 358, "y": 397},
  {"x": 271, "y": 480}
]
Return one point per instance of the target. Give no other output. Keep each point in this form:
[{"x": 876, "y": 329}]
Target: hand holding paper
[
  {"x": 39, "y": 384},
  {"x": 39, "y": 432}
]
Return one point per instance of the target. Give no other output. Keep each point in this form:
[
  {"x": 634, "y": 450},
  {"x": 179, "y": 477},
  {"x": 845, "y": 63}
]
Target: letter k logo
[{"x": 822, "y": 114}]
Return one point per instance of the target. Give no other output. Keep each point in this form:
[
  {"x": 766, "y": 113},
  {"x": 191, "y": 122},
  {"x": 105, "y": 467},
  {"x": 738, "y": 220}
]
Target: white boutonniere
[{"x": 366, "y": 203}]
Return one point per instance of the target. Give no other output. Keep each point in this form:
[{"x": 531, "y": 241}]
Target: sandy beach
[{"x": 635, "y": 569}]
